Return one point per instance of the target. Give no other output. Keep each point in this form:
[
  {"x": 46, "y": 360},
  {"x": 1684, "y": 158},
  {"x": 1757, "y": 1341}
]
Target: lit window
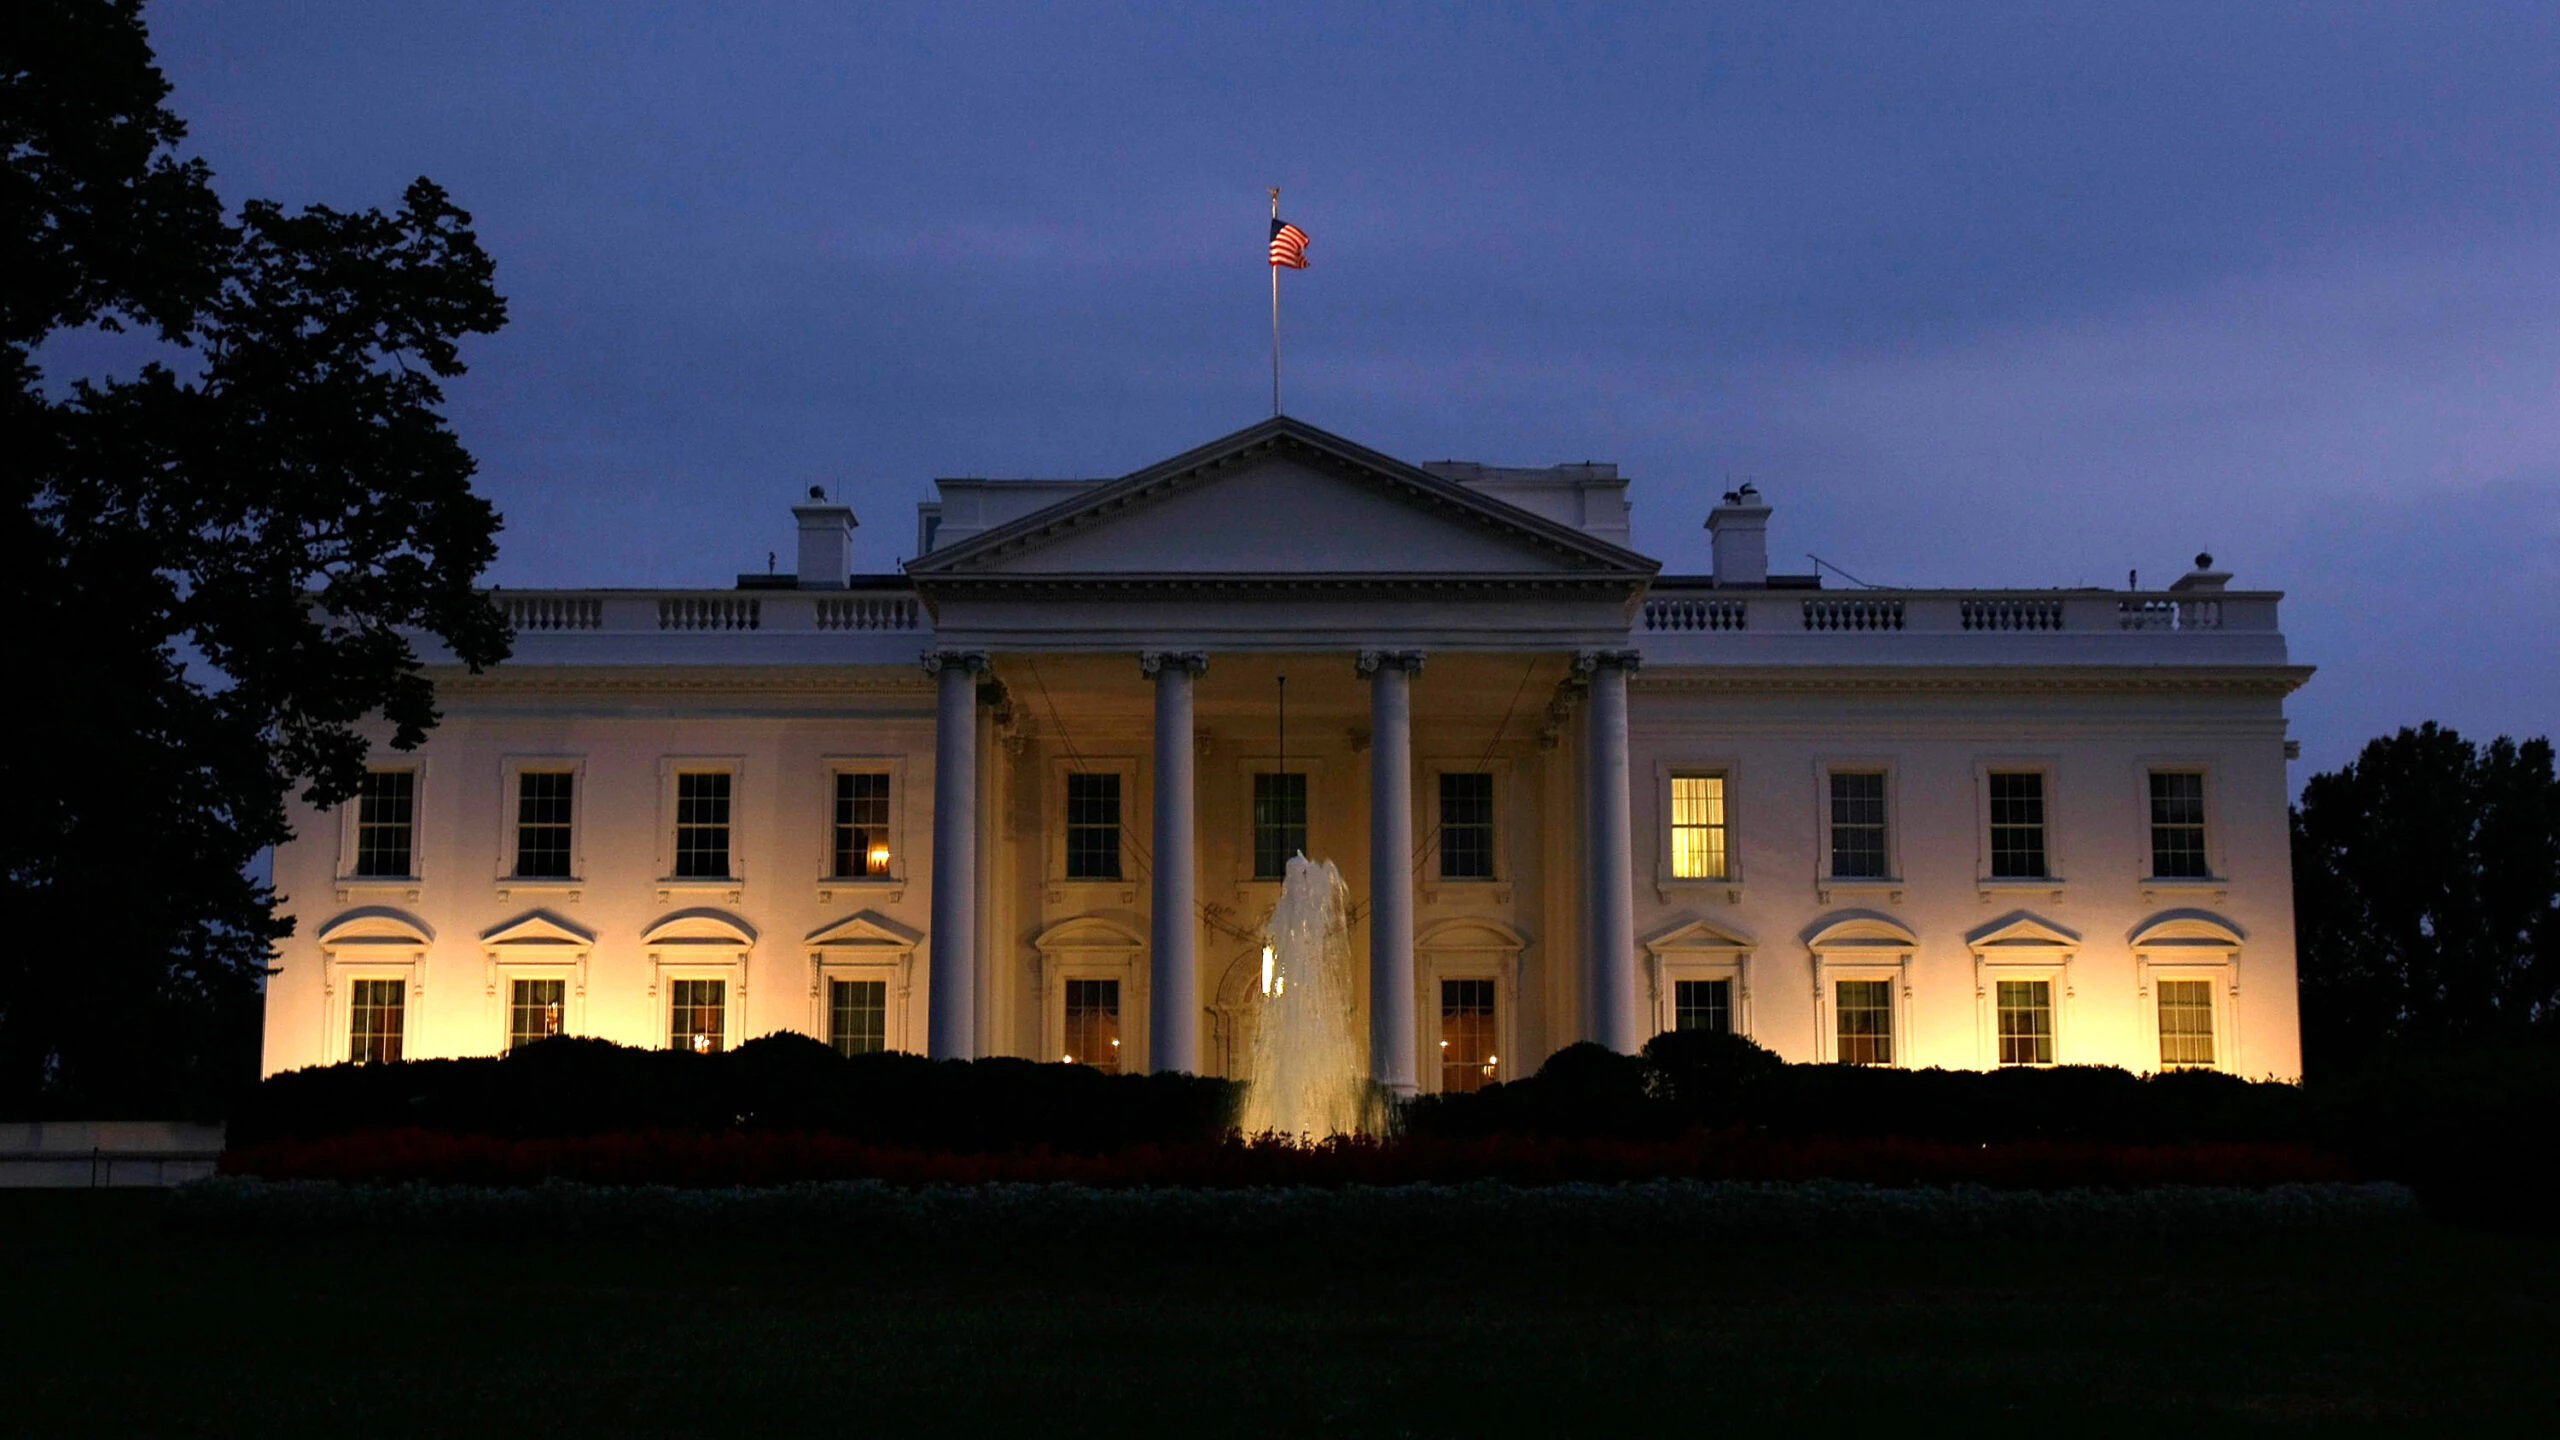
[
  {"x": 1093, "y": 826},
  {"x": 2026, "y": 1022},
  {"x": 1467, "y": 1056},
  {"x": 2186, "y": 1023},
  {"x": 1857, "y": 825},
  {"x": 1093, "y": 1024},
  {"x": 2177, "y": 825},
  {"x": 1466, "y": 826},
  {"x": 2017, "y": 826},
  {"x": 858, "y": 1016},
  {"x": 862, "y": 825},
  {"x": 1702, "y": 1005},
  {"x": 542, "y": 823},
  {"x": 1279, "y": 823},
  {"x": 376, "y": 1010},
  {"x": 702, "y": 825},
  {"x": 1697, "y": 828},
  {"x": 1865, "y": 1016},
  {"x": 697, "y": 1015},
  {"x": 534, "y": 1010},
  {"x": 386, "y": 814}
]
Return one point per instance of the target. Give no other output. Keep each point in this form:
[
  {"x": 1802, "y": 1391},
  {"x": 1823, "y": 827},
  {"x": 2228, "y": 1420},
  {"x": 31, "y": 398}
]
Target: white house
[{"x": 1031, "y": 797}]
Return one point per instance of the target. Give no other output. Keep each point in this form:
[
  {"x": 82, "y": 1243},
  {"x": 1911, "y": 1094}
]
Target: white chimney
[
  {"x": 826, "y": 542},
  {"x": 1741, "y": 529}
]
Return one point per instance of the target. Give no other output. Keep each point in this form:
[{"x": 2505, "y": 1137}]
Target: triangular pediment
[
  {"x": 865, "y": 930},
  {"x": 538, "y": 928},
  {"x": 1281, "y": 499},
  {"x": 1701, "y": 936},
  {"x": 2019, "y": 932}
]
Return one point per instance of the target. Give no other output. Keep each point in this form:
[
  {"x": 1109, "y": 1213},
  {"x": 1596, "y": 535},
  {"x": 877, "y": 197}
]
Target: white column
[
  {"x": 1609, "y": 853},
  {"x": 1173, "y": 992},
  {"x": 1391, "y": 1020},
  {"x": 951, "y": 1027}
]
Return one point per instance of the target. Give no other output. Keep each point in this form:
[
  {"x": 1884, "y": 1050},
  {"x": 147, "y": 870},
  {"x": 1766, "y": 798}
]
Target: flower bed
[
  {"x": 757, "y": 1158},
  {"x": 1668, "y": 1211}
]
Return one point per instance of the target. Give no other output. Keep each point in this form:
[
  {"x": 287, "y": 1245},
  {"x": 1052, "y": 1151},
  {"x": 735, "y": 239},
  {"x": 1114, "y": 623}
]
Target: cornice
[
  {"x": 1160, "y": 583},
  {"x": 858, "y": 679}
]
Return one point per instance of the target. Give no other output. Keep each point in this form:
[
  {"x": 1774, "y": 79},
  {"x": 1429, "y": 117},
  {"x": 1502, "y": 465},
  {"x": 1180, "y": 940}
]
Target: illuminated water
[{"x": 1310, "y": 1064}]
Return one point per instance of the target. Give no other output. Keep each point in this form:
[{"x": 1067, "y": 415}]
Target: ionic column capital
[
  {"x": 1587, "y": 661},
  {"x": 1150, "y": 662},
  {"x": 936, "y": 661},
  {"x": 1372, "y": 661}
]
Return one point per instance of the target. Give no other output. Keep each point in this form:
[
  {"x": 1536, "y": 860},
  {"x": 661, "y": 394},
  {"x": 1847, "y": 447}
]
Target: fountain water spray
[{"x": 1310, "y": 1064}]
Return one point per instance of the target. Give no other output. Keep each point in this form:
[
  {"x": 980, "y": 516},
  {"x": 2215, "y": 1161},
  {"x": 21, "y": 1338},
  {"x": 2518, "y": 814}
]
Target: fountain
[{"x": 1310, "y": 1067}]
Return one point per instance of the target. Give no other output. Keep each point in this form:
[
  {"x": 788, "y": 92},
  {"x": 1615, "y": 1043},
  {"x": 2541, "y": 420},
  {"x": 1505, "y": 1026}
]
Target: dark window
[
  {"x": 696, "y": 1015},
  {"x": 1865, "y": 1022},
  {"x": 1093, "y": 1024},
  {"x": 1466, "y": 826},
  {"x": 1702, "y": 1005},
  {"x": 1467, "y": 1058},
  {"x": 374, "y": 1015},
  {"x": 2026, "y": 1022},
  {"x": 1279, "y": 823},
  {"x": 858, "y": 1016},
  {"x": 862, "y": 825},
  {"x": 386, "y": 815},
  {"x": 536, "y": 1010},
  {"x": 542, "y": 823},
  {"x": 2177, "y": 825},
  {"x": 1857, "y": 825},
  {"x": 2017, "y": 826},
  {"x": 702, "y": 826},
  {"x": 1093, "y": 827}
]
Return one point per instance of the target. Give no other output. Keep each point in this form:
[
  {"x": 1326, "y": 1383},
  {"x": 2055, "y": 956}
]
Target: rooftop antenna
[{"x": 768, "y": 562}]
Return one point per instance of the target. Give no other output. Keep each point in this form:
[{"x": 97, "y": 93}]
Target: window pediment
[
  {"x": 376, "y": 925},
  {"x": 2021, "y": 935},
  {"x": 865, "y": 930},
  {"x": 704, "y": 927},
  {"x": 1088, "y": 933},
  {"x": 1468, "y": 933},
  {"x": 1702, "y": 937},
  {"x": 1849, "y": 933},
  {"x": 538, "y": 929},
  {"x": 2198, "y": 930}
]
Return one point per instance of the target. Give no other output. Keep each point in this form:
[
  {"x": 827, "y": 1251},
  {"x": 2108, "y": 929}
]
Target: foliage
[
  {"x": 1682, "y": 1083},
  {"x": 213, "y": 561},
  {"x": 2427, "y": 896},
  {"x": 777, "y": 1084}
]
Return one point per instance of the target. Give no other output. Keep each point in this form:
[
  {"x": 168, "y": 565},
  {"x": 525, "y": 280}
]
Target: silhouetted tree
[
  {"x": 209, "y": 561},
  {"x": 2426, "y": 876}
]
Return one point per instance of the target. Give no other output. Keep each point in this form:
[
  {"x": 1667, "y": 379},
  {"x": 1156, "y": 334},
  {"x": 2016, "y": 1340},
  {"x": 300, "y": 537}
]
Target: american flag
[{"x": 1288, "y": 244}]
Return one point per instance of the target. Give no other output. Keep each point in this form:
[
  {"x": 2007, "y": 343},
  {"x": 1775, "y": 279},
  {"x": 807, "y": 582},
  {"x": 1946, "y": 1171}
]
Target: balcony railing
[{"x": 629, "y": 612}]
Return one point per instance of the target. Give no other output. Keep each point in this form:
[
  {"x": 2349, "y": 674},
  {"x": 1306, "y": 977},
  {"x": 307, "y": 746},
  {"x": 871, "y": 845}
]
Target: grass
[{"x": 118, "y": 1325}]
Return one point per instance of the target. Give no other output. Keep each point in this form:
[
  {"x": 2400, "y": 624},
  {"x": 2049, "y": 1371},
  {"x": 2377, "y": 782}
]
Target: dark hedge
[{"x": 571, "y": 1086}]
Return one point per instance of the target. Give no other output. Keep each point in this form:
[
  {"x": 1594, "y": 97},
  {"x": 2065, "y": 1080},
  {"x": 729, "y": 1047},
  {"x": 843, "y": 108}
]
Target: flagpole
[{"x": 1275, "y": 310}]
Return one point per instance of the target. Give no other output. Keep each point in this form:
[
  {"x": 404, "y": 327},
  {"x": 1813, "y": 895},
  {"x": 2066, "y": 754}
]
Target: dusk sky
[{"x": 2016, "y": 296}]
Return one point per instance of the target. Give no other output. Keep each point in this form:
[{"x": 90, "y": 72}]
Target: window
[
  {"x": 1466, "y": 825},
  {"x": 1857, "y": 825},
  {"x": 1697, "y": 828},
  {"x": 386, "y": 813},
  {"x": 2186, "y": 1023},
  {"x": 1279, "y": 823},
  {"x": 542, "y": 823},
  {"x": 2026, "y": 1021},
  {"x": 702, "y": 824},
  {"x": 1093, "y": 826},
  {"x": 535, "y": 1010},
  {"x": 375, "y": 1012},
  {"x": 1702, "y": 1005},
  {"x": 1865, "y": 1015},
  {"x": 1093, "y": 1020},
  {"x": 2017, "y": 825},
  {"x": 697, "y": 1015},
  {"x": 2177, "y": 825},
  {"x": 858, "y": 1016},
  {"x": 861, "y": 825},
  {"x": 1467, "y": 1057}
]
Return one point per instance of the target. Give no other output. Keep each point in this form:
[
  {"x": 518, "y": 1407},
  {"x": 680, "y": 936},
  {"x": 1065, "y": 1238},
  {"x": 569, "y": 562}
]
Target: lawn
[{"x": 119, "y": 1325}]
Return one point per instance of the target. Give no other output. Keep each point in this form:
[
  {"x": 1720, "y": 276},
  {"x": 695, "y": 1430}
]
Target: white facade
[{"x": 1489, "y": 702}]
